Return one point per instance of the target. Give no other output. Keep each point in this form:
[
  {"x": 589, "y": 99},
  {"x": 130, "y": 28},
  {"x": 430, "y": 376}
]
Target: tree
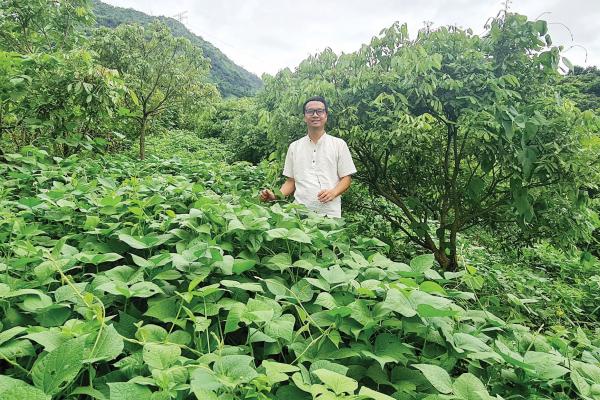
[
  {"x": 162, "y": 72},
  {"x": 34, "y": 26},
  {"x": 583, "y": 86},
  {"x": 452, "y": 129},
  {"x": 52, "y": 92}
]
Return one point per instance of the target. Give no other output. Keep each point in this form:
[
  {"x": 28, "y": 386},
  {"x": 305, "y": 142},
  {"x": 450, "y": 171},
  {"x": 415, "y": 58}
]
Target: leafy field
[
  {"x": 165, "y": 279},
  {"x": 466, "y": 266}
]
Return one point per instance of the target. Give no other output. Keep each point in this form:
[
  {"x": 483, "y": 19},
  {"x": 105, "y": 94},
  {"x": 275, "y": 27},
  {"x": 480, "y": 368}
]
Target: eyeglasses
[{"x": 318, "y": 111}]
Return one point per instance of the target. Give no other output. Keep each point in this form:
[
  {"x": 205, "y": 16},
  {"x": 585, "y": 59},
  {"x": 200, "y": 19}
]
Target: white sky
[{"x": 265, "y": 36}]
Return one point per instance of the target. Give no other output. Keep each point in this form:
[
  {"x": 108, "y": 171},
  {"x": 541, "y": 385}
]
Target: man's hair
[{"x": 316, "y": 98}]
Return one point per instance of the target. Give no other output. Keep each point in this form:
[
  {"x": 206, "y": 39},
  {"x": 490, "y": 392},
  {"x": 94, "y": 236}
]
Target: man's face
[{"x": 311, "y": 114}]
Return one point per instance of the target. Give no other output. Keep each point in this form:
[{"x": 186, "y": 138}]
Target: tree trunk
[
  {"x": 143, "y": 138},
  {"x": 453, "y": 265},
  {"x": 442, "y": 259}
]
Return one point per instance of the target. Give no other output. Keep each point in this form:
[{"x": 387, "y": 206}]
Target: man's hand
[
  {"x": 267, "y": 195},
  {"x": 325, "y": 196}
]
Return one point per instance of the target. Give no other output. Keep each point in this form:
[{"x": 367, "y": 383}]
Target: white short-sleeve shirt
[{"x": 318, "y": 166}]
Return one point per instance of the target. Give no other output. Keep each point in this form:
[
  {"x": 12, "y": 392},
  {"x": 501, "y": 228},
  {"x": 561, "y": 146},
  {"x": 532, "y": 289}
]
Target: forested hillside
[{"x": 231, "y": 79}]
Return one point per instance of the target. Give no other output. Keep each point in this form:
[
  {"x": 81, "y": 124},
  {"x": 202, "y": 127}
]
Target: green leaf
[
  {"x": 142, "y": 242},
  {"x": 163, "y": 309},
  {"x": 580, "y": 383},
  {"x": 297, "y": 235},
  {"x": 161, "y": 356},
  {"x": 240, "y": 265},
  {"x": 468, "y": 342},
  {"x": 337, "y": 382},
  {"x": 16, "y": 348},
  {"x": 96, "y": 259},
  {"x": 469, "y": 387},
  {"x": 437, "y": 376},
  {"x": 432, "y": 287},
  {"x": 10, "y": 333},
  {"x": 302, "y": 291},
  {"x": 507, "y": 124},
  {"x": 202, "y": 381},
  {"x": 276, "y": 372},
  {"x": 234, "y": 370},
  {"x": 15, "y": 389},
  {"x": 326, "y": 300},
  {"x": 546, "y": 365},
  {"x": 55, "y": 370},
  {"x": 151, "y": 333},
  {"x": 128, "y": 391},
  {"x": 106, "y": 347},
  {"x": 277, "y": 233},
  {"x": 422, "y": 263},
  {"x": 89, "y": 391},
  {"x": 281, "y": 327},
  {"x": 144, "y": 289},
  {"x": 372, "y": 394},
  {"x": 398, "y": 302},
  {"x": 37, "y": 302},
  {"x": 234, "y": 317},
  {"x": 334, "y": 274}
]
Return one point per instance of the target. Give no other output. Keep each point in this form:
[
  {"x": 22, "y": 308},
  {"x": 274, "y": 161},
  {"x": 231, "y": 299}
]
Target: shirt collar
[{"x": 321, "y": 140}]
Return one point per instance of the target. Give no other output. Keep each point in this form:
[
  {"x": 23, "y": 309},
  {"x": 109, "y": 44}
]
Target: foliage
[
  {"x": 118, "y": 281},
  {"x": 185, "y": 144},
  {"x": 582, "y": 85},
  {"x": 453, "y": 129},
  {"x": 39, "y": 26},
  {"x": 231, "y": 79},
  {"x": 239, "y": 123},
  {"x": 52, "y": 92},
  {"x": 544, "y": 285},
  {"x": 162, "y": 72}
]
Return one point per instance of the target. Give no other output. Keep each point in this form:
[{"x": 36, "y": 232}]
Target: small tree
[
  {"x": 162, "y": 72},
  {"x": 35, "y": 26},
  {"x": 52, "y": 92}
]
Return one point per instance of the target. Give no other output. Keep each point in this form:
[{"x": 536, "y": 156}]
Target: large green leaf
[
  {"x": 143, "y": 242},
  {"x": 469, "y": 387},
  {"x": 128, "y": 391},
  {"x": 234, "y": 370},
  {"x": 161, "y": 356},
  {"x": 53, "y": 371},
  {"x": 437, "y": 376},
  {"x": 422, "y": 263},
  {"x": 337, "y": 382},
  {"x": 16, "y": 389},
  {"x": 372, "y": 394},
  {"x": 107, "y": 346},
  {"x": 398, "y": 302}
]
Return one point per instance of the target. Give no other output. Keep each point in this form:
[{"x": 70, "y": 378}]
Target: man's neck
[{"x": 316, "y": 134}]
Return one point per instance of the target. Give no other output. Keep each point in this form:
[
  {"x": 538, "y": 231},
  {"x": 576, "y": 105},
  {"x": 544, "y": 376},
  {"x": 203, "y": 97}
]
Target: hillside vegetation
[{"x": 231, "y": 79}]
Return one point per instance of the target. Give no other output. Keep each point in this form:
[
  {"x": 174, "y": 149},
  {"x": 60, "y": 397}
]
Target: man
[{"x": 318, "y": 166}]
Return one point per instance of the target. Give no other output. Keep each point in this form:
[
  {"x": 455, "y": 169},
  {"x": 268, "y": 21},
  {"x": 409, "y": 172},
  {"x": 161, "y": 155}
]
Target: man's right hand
[{"x": 267, "y": 195}]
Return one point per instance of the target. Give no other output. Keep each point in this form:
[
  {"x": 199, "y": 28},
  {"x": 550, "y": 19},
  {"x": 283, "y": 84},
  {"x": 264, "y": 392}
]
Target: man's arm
[
  {"x": 326, "y": 196},
  {"x": 288, "y": 187}
]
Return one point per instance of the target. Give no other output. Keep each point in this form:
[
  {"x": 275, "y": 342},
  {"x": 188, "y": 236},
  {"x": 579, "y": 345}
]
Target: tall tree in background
[{"x": 162, "y": 72}]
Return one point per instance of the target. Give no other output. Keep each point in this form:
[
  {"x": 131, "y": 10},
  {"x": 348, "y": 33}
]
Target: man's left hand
[{"x": 325, "y": 196}]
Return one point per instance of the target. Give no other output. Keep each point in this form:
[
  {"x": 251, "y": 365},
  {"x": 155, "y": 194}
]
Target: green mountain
[{"x": 231, "y": 79}]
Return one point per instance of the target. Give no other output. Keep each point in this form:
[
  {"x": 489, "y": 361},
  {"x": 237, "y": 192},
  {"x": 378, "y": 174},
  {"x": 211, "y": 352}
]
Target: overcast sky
[{"x": 265, "y": 36}]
